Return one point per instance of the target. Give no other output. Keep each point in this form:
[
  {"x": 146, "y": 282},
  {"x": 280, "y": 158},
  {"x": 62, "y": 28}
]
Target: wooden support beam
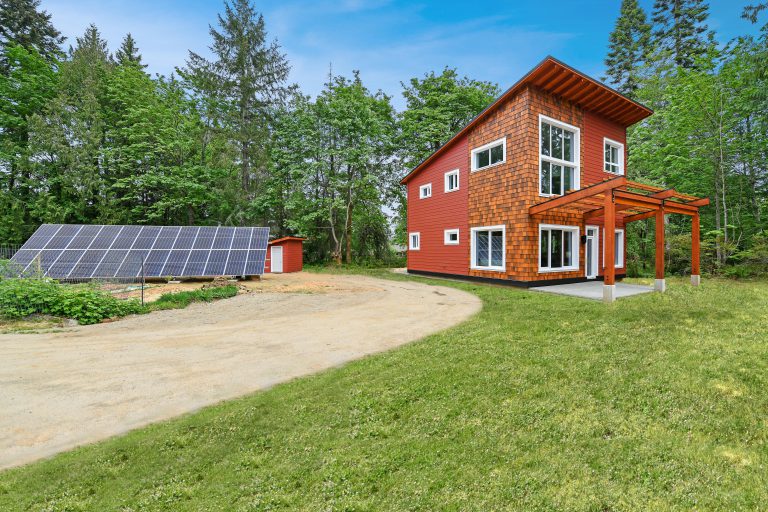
[
  {"x": 609, "y": 274},
  {"x": 695, "y": 250},
  {"x": 599, "y": 188},
  {"x": 660, "y": 228}
]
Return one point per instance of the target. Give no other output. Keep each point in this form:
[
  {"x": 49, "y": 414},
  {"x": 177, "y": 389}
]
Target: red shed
[{"x": 285, "y": 255}]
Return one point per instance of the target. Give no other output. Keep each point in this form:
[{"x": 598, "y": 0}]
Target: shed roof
[
  {"x": 285, "y": 239},
  {"x": 558, "y": 78}
]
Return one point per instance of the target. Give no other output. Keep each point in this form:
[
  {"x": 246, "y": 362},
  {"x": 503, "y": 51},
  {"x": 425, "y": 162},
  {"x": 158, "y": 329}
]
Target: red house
[
  {"x": 285, "y": 255},
  {"x": 533, "y": 190}
]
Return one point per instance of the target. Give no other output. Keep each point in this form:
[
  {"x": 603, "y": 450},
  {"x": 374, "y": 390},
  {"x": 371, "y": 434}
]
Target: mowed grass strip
[{"x": 539, "y": 402}]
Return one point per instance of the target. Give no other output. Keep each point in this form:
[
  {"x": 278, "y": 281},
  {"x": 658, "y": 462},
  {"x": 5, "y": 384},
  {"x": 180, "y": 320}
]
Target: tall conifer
[
  {"x": 628, "y": 47},
  {"x": 681, "y": 29}
]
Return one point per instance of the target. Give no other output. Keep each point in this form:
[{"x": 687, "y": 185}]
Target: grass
[
  {"x": 539, "y": 402},
  {"x": 180, "y": 300}
]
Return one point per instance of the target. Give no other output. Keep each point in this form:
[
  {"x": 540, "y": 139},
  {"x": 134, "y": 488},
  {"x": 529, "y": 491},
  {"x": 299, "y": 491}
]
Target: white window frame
[
  {"x": 425, "y": 187},
  {"x": 621, "y": 232},
  {"x": 576, "y": 247},
  {"x": 417, "y": 245},
  {"x": 620, "y": 147},
  {"x": 447, "y": 237},
  {"x": 473, "y": 160},
  {"x": 576, "y": 164},
  {"x": 454, "y": 172},
  {"x": 473, "y": 260}
]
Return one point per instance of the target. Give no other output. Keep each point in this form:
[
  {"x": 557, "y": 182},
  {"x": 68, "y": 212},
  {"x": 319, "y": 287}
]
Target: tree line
[
  {"x": 708, "y": 135},
  {"x": 88, "y": 136}
]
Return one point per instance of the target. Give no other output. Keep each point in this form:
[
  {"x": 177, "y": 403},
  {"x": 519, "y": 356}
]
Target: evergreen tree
[
  {"x": 21, "y": 22},
  {"x": 244, "y": 84},
  {"x": 67, "y": 140},
  {"x": 681, "y": 29},
  {"x": 128, "y": 53},
  {"x": 627, "y": 49},
  {"x": 25, "y": 90}
]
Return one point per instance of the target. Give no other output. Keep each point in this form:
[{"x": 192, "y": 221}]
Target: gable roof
[{"x": 556, "y": 77}]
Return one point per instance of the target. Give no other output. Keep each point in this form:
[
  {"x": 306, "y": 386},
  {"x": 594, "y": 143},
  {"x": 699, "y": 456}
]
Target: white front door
[
  {"x": 591, "y": 252},
  {"x": 277, "y": 259}
]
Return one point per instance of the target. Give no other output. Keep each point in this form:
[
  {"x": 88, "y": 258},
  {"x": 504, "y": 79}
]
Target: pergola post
[
  {"x": 660, "y": 284},
  {"x": 609, "y": 274},
  {"x": 695, "y": 251}
]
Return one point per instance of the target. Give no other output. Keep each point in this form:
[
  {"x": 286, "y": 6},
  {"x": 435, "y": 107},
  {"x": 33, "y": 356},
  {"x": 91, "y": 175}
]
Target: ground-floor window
[
  {"x": 618, "y": 249},
  {"x": 414, "y": 241},
  {"x": 451, "y": 236},
  {"x": 488, "y": 248},
  {"x": 558, "y": 248}
]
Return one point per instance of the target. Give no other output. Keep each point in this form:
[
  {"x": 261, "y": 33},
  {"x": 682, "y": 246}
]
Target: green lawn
[{"x": 540, "y": 402}]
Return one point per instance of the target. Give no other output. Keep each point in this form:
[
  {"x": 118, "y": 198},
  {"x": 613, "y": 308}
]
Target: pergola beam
[
  {"x": 704, "y": 201},
  {"x": 639, "y": 216},
  {"x": 664, "y": 194},
  {"x": 571, "y": 197}
]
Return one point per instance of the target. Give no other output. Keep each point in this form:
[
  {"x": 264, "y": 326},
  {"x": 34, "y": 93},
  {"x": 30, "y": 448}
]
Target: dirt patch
[
  {"x": 299, "y": 282},
  {"x": 60, "y": 390}
]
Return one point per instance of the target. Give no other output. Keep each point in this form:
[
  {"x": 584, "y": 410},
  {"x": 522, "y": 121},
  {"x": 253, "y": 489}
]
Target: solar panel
[{"x": 74, "y": 251}]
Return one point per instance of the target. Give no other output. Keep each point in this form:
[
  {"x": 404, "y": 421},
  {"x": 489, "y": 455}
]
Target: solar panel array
[{"x": 73, "y": 251}]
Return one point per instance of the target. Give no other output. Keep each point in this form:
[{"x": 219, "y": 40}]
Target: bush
[{"x": 23, "y": 297}]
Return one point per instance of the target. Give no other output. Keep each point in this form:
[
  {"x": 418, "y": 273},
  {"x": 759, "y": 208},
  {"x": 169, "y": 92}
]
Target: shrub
[{"x": 23, "y": 297}]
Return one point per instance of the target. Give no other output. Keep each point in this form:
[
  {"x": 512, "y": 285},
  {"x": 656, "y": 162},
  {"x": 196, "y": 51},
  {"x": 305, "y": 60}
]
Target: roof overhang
[{"x": 558, "y": 78}]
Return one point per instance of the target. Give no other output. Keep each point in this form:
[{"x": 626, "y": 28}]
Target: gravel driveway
[{"x": 60, "y": 390}]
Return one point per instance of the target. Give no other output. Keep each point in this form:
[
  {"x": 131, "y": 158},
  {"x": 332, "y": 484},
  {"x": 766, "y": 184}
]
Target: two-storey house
[{"x": 533, "y": 190}]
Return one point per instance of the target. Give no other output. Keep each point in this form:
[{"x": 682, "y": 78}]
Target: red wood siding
[
  {"x": 502, "y": 194},
  {"x": 444, "y": 210},
  {"x": 293, "y": 256},
  {"x": 597, "y": 127}
]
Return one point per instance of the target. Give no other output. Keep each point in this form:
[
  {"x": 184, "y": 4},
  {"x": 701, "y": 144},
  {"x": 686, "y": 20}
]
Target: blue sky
[{"x": 388, "y": 41}]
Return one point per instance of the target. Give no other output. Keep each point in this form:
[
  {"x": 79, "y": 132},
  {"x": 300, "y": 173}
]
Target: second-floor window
[
  {"x": 452, "y": 180},
  {"x": 614, "y": 156},
  {"x": 425, "y": 191},
  {"x": 489, "y": 154},
  {"x": 558, "y": 157}
]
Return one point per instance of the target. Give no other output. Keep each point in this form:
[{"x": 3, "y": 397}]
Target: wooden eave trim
[{"x": 534, "y": 77}]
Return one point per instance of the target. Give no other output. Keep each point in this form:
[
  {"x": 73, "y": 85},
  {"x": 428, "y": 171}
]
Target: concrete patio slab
[{"x": 593, "y": 290}]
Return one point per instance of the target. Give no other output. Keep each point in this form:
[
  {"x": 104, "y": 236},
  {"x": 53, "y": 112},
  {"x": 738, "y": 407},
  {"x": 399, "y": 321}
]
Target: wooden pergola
[{"x": 636, "y": 201}]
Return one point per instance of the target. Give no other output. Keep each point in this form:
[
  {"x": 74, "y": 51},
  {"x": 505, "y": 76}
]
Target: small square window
[
  {"x": 452, "y": 180},
  {"x": 425, "y": 191},
  {"x": 451, "y": 236},
  {"x": 414, "y": 241}
]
